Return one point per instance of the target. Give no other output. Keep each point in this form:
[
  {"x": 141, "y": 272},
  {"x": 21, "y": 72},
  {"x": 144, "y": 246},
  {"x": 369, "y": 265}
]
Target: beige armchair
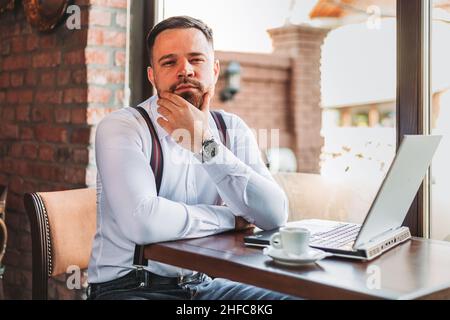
[{"x": 311, "y": 196}]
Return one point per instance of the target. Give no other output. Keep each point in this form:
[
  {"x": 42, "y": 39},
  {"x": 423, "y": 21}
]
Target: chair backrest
[
  {"x": 63, "y": 226},
  {"x": 312, "y": 196}
]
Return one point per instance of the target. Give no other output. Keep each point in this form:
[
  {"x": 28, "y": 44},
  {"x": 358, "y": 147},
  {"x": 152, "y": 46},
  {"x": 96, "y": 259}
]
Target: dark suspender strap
[
  {"x": 157, "y": 165},
  {"x": 220, "y": 123}
]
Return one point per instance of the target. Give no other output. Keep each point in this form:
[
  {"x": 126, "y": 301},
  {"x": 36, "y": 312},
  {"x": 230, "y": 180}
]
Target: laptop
[{"x": 382, "y": 227}]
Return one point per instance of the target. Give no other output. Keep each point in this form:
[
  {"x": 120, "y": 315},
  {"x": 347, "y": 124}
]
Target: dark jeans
[{"x": 143, "y": 285}]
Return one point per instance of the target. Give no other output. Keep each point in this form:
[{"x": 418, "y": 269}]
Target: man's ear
[
  {"x": 151, "y": 76},
  {"x": 216, "y": 70}
]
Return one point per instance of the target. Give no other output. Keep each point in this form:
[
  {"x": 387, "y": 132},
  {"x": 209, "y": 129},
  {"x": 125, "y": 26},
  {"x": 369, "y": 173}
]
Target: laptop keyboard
[{"x": 338, "y": 237}]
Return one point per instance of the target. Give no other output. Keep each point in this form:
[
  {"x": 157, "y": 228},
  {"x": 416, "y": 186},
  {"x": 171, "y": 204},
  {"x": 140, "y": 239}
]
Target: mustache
[{"x": 187, "y": 81}]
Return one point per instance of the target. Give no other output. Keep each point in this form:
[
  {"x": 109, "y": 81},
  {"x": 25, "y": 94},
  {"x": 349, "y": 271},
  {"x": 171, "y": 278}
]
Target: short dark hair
[{"x": 178, "y": 22}]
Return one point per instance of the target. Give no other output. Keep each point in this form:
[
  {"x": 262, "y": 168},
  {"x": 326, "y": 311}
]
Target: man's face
[{"x": 183, "y": 63}]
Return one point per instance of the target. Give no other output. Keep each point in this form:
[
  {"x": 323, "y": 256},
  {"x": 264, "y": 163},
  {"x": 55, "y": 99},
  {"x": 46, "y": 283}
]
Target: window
[
  {"x": 322, "y": 73},
  {"x": 440, "y": 120}
]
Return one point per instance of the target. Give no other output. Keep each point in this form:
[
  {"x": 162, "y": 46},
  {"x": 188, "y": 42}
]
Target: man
[{"x": 194, "y": 184}]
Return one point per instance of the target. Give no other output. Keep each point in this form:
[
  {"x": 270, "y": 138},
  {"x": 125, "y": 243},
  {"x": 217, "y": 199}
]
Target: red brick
[
  {"x": 16, "y": 150},
  {"x": 8, "y": 114},
  {"x": 95, "y": 115},
  {"x": 16, "y": 184},
  {"x": 48, "y": 78},
  {"x": 105, "y": 76},
  {"x": 51, "y": 59},
  {"x": 9, "y": 131},
  {"x": 75, "y": 175},
  {"x": 78, "y": 116},
  {"x": 80, "y": 135},
  {"x": 2, "y": 97},
  {"x": 119, "y": 58},
  {"x": 31, "y": 78},
  {"x": 114, "y": 39},
  {"x": 4, "y": 80},
  {"x": 99, "y": 17},
  {"x": 23, "y": 96},
  {"x": 51, "y": 134},
  {"x": 30, "y": 151},
  {"x": 42, "y": 114},
  {"x": 16, "y": 62},
  {"x": 54, "y": 97},
  {"x": 47, "y": 172},
  {"x": 32, "y": 42},
  {"x": 5, "y": 48},
  {"x": 26, "y": 133},
  {"x": 63, "y": 77},
  {"x": 99, "y": 95},
  {"x": 81, "y": 156},
  {"x": 121, "y": 20},
  {"x": 47, "y": 41},
  {"x": 75, "y": 95},
  {"x": 23, "y": 113},
  {"x": 17, "y": 79},
  {"x": 18, "y": 44},
  {"x": 79, "y": 76},
  {"x": 62, "y": 115},
  {"x": 7, "y": 165},
  {"x": 119, "y": 98},
  {"x": 46, "y": 153},
  {"x": 29, "y": 186},
  {"x": 106, "y": 38},
  {"x": 121, "y": 4},
  {"x": 96, "y": 56},
  {"x": 74, "y": 57}
]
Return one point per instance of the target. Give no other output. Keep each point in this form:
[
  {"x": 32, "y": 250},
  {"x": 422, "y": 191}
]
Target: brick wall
[
  {"x": 54, "y": 88},
  {"x": 303, "y": 43},
  {"x": 263, "y": 101}
]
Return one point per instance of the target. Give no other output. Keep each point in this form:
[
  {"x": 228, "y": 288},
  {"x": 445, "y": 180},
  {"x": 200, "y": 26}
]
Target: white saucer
[{"x": 281, "y": 257}]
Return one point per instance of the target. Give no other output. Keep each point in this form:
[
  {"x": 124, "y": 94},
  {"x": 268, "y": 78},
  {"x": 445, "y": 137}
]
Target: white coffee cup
[{"x": 291, "y": 239}]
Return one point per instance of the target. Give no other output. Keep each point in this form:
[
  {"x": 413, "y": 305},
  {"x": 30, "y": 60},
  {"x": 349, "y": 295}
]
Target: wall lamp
[{"x": 233, "y": 81}]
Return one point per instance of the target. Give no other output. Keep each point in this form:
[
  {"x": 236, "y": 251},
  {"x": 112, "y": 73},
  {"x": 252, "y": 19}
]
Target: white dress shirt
[{"x": 195, "y": 199}]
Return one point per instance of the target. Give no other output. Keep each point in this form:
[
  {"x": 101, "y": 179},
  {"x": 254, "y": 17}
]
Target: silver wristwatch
[{"x": 210, "y": 148}]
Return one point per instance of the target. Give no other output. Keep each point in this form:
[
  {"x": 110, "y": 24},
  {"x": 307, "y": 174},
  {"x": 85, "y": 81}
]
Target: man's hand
[
  {"x": 242, "y": 224},
  {"x": 187, "y": 125}
]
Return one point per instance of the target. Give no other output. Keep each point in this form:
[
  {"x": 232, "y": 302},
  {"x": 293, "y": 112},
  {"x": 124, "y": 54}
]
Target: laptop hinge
[
  {"x": 379, "y": 238},
  {"x": 383, "y": 243}
]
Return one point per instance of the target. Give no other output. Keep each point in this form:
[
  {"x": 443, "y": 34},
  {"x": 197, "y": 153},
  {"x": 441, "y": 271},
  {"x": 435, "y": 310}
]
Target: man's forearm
[{"x": 257, "y": 198}]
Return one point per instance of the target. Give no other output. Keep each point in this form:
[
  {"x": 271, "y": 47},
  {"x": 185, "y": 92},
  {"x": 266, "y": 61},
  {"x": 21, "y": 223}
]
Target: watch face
[{"x": 210, "y": 149}]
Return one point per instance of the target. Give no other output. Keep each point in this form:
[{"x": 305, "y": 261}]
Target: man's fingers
[
  {"x": 165, "y": 124},
  {"x": 164, "y": 111},
  {"x": 169, "y": 105},
  {"x": 206, "y": 101},
  {"x": 175, "y": 99}
]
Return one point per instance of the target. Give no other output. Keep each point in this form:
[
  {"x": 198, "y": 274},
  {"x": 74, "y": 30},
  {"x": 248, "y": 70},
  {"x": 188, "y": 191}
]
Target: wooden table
[{"x": 417, "y": 269}]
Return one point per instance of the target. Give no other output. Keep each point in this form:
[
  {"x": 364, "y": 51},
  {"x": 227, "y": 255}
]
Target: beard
[{"x": 193, "y": 97}]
